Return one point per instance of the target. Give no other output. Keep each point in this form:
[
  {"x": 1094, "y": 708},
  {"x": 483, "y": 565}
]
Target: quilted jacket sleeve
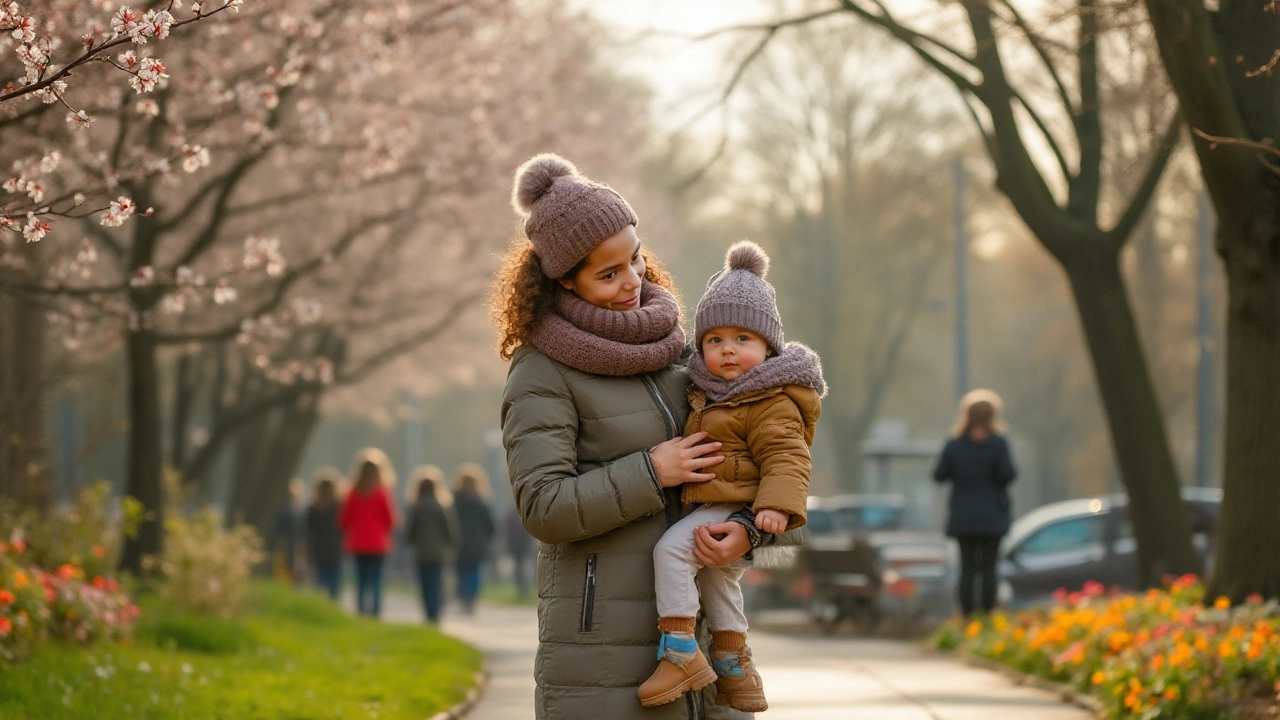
[
  {"x": 777, "y": 441},
  {"x": 540, "y": 432}
]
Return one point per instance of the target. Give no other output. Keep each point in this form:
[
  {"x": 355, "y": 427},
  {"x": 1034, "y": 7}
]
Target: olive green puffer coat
[{"x": 577, "y": 451}]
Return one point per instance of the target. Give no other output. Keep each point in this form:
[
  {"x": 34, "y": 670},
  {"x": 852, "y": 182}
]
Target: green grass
[{"x": 291, "y": 657}]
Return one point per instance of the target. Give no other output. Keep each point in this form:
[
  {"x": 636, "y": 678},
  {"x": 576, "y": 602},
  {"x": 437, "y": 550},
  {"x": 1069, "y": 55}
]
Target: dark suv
[{"x": 1067, "y": 544}]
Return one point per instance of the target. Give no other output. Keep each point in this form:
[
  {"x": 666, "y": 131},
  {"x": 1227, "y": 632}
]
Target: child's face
[
  {"x": 730, "y": 352},
  {"x": 612, "y": 274}
]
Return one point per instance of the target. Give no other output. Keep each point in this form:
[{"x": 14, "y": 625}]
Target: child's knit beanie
[
  {"x": 738, "y": 296},
  {"x": 567, "y": 214}
]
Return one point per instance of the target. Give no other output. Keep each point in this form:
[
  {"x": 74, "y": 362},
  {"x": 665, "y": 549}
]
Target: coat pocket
[{"x": 589, "y": 595}]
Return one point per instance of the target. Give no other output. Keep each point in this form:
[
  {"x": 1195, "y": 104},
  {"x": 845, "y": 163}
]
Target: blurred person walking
[
  {"x": 476, "y": 525},
  {"x": 431, "y": 531},
  {"x": 286, "y": 531},
  {"x": 367, "y": 519},
  {"x": 520, "y": 547},
  {"x": 323, "y": 536},
  {"x": 978, "y": 464}
]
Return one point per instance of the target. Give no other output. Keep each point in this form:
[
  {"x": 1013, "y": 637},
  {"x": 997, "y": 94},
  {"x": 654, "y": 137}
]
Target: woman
[
  {"x": 470, "y": 498},
  {"x": 977, "y": 463},
  {"x": 591, "y": 415},
  {"x": 324, "y": 539},
  {"x": 432, "y": 534},
  {"x": 367, "y": 521}
]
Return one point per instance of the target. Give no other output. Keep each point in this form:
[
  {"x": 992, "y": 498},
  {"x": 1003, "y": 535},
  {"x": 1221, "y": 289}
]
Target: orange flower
[
  {"x": 1171, "y": 693},
  {"x": 973, "y": 629},
  {"x": 69, "y": 572},
  {"x": 6, "y": 597},
  {"x": 1098, "y": 677},
  {"x": 99, "y": 551},
  {"x": 20, "y": 579},
  {"x": 5, "y": 625},
  {"x": 1222, "y": 603}
]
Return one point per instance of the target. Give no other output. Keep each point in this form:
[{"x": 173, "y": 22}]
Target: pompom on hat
[
  {"x": 567, "y": 215},
  {"x": 739, "y": 296}
]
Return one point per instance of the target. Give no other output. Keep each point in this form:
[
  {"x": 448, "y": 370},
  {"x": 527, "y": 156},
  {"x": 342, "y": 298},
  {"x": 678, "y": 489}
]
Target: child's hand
[{"x": 772, "y": 521}]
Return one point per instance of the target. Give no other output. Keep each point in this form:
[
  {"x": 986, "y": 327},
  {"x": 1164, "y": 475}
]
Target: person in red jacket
[{"x": 367, "y": 520}]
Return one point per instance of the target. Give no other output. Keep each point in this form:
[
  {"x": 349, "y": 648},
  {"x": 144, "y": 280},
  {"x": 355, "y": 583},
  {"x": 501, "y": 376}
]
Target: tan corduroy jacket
[{"x": 766, "y": 437}]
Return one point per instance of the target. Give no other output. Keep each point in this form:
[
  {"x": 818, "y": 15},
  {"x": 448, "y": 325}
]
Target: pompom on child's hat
[
  {"x": 740, "y": 296},
  {"x": 567, "y": 215}
]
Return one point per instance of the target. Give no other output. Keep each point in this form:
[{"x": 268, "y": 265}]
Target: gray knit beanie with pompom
[
  {"x": 738, "y": 296},
  {"x": 568, "y": 215}
]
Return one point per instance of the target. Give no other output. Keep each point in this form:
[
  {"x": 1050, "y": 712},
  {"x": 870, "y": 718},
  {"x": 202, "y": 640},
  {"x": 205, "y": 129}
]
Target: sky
[{"x": 683, "y": 72}]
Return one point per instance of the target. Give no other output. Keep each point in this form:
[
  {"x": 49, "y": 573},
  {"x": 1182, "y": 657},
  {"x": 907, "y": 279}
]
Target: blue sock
[{"x": 675, "y": 643}]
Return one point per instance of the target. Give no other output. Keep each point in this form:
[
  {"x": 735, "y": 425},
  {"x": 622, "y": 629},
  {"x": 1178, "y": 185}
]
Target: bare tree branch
[{"x": 1141, "y": 199}]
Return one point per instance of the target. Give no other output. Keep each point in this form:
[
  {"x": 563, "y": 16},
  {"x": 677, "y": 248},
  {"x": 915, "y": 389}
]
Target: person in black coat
[
  {"x": 476, "y": 526},
  {"x": 432, "y": 533},
  {"x": 978, "y": 464},
  {"x": 323, "y": 536}
]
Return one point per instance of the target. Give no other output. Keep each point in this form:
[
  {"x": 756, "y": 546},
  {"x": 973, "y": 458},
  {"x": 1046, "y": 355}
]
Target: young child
[{"x": 760, "y": 397}]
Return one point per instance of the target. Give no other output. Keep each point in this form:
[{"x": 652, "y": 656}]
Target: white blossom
[
  {"x": 224, "y": 293},
  {"x": 52, "y": 92},
  {"x": 173, "y": 303},
  {"x": 194, "y": 157},
  {"x": 35, "y": 230},
  {"x": 50, "y": 162},
  {"x": 150, "y": 73},
  {"x": 122, "y": 208},
  {"x": 158, "y": 23},
  {"x": 143, "y": 276},
  {"x": 307, "y": 311},
  {"x": 79, "y": 119},
  {"x": 148, "y": 107}
]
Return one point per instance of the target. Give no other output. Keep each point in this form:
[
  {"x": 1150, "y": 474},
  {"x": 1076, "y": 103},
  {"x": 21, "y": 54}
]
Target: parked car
[
  {"x": 1067, "y": 544},
  {"x": 860, "y": 563}
]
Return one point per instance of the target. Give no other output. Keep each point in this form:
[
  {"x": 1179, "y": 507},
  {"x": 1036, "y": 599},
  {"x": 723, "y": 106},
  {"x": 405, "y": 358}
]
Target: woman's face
[{"x": 612, "y": 274}]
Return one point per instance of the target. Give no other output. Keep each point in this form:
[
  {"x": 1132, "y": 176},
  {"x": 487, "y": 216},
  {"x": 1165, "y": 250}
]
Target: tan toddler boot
[
  {"x": 681, "y": 665},
  {"x": 739, "y": 685}
]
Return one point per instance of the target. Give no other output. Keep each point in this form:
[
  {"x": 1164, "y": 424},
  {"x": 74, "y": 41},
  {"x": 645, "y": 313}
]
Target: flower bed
[
  {"x": 64, "y": 604},
  {"x": 1165, "y": 654}
]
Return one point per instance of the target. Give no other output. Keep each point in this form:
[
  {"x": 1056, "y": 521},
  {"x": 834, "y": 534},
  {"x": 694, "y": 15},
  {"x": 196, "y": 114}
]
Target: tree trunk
[
  {"x": 144, "y": 467},
  {"x": 288, "y": 442},
  {"x": 1248, "y": 536},
  {"x": 1134, "y": 417},
  {"x": 250, "y": 457},
  {"x": 24, "y": 460}
]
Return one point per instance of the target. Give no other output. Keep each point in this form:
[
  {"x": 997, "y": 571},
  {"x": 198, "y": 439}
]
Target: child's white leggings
[{"x": 680, "y": 578}]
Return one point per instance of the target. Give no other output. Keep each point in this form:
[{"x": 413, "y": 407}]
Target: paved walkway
[{"x": 808, "y": 677}]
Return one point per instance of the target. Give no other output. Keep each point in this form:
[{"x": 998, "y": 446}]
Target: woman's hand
[
  {"x": 677, "y": 461},
  {"x": 720, "y": 544},
  {"x": 772, "y": 521}
]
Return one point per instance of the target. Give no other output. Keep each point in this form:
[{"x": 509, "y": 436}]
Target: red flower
[
  {"x": 5, "y": 625},
  {"x": 100, "y": 582},
  {"x": 68, "y": 571},
  {"x": 6, "y": 597}
]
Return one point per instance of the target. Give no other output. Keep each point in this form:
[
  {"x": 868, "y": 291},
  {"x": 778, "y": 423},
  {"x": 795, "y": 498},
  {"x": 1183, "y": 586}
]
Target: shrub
[
  {"x": 1163, "y": 654},
  {"x": 205, "y": 568},
  {"x": 63, "y": 605}
]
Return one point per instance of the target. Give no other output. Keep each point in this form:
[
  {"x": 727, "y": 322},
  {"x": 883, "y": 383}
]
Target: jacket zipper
[
  {"x": 667, "y": 416},
  {"x": 589, "y": 594}
]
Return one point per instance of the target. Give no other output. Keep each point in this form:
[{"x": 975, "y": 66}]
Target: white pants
[{"x": 679, "y": 577}]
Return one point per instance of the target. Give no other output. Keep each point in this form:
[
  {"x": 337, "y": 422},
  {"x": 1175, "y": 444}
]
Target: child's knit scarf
[
  {"x": 795, "y": 365},
  {"x": 613, "y": 342}
]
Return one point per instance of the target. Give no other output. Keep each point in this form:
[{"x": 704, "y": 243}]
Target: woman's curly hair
[{"x": 522, "y": 295}]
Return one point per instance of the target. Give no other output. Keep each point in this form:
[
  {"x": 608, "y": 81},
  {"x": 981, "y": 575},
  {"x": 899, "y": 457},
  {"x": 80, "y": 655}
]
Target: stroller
[{"x": 847, "y": 582}]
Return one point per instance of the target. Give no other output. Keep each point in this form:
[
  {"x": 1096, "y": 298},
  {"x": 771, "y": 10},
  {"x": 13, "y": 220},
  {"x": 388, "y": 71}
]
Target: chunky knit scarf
[
  {"x": 613, "y": 342},
  {"x": 795, "y": 365}
]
